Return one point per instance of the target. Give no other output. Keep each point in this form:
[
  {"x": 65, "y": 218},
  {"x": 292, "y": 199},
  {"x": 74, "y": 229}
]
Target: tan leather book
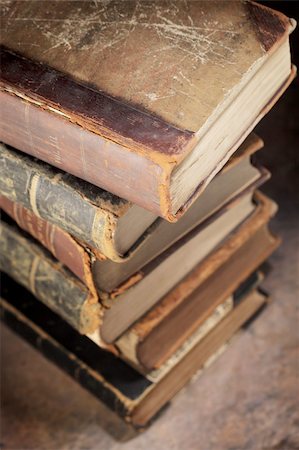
[
  {"x": 125, "y": 391},
  {"x": 143, "y": 99}
]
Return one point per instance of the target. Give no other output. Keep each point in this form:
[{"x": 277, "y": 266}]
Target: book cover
[{"x": 137, "y": 99}]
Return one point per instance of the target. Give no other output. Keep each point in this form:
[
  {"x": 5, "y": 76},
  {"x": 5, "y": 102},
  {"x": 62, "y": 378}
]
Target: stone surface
[{"x": 247, "y": 400}]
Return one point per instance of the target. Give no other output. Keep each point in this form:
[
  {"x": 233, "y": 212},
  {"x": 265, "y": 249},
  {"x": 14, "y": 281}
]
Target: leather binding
[{"x": 131, "y": 137}]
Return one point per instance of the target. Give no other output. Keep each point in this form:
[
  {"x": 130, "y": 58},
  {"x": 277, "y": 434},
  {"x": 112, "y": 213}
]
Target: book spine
[
  {"x": 50, "y": 199},
  {"x": 61, "y": 244},
  {"x": 60, "y": 142},
  {"x": 35, "y": 269}
]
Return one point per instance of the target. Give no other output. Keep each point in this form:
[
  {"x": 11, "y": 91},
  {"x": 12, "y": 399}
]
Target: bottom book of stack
[
  {"x": 141, "y": 368},
  {"x": 133, "y": 396}
]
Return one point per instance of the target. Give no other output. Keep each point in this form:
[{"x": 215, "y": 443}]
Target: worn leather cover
[
  {"x": 61, "y": 244},
  {"x": 115, "y": 94}
]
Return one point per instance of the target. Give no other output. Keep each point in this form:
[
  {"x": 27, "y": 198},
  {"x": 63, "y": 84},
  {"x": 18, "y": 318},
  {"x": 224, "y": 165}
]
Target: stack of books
[{"x": 133, "y": 233}]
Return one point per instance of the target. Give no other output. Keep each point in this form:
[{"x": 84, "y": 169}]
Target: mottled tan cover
[
  {"x": 124, "y": 86},
  {"x": 177, "y": 60}
]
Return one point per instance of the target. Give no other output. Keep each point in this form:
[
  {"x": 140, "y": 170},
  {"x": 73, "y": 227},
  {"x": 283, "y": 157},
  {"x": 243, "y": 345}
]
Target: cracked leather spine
[{"x": 72, "y": 254}]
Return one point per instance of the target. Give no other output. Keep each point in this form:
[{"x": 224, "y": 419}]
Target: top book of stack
[{"x": 147, "y": 100}]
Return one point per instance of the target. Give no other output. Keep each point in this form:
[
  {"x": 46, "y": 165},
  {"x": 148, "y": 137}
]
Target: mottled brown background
[{"x": 247, "y": 400}]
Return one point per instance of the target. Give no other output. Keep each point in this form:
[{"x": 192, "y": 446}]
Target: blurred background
[{"x": 280, "y": 128}]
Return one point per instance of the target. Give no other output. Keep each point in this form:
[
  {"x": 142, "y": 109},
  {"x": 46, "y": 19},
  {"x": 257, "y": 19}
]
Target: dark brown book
[
  {"x": 125, "y": 391},
  {"x": 142, "y": 99},
  {"x": 154, "y": 338},
  {"x": 237, "y": 177}
]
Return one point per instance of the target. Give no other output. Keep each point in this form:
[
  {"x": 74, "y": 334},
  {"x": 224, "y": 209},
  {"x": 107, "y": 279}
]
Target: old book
[
  {"x": 211, "y": 322},
  {"x": 223, "y": 192},
  {"x": 108, "y": 277},
  {"x": 105, "y": 222},
  {"x": 131, "y": 395},
  {"x": 152, "y": 340},
  {"x": 108, "y": 224},
  {"x": 120, "y": 309},
  {"x": 143, "y": 99}
]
